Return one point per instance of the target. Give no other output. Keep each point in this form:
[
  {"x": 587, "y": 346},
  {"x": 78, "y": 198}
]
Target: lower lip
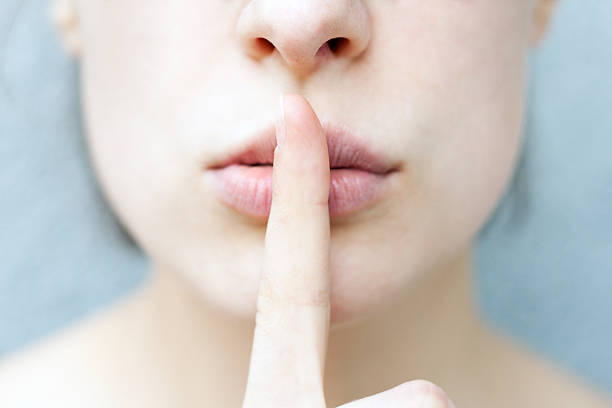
[{"x": 248, "y": 189}]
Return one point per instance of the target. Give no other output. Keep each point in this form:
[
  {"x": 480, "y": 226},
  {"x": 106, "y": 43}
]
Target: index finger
[{"x": 293, "y": 308}]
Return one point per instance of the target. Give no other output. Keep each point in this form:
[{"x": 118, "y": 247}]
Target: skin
[
  {"x": 293, "y": 303},
  {"x": 176, "y": 109},
  {"x": 380, "y": 311}
]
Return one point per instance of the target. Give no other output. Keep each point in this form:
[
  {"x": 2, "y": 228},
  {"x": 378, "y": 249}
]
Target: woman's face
[{"x": 437, "y": 86}]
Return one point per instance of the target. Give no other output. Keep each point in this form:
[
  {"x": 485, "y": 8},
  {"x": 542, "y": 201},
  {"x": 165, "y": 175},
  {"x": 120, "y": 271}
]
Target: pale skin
[
  {"x": 293, "y": 304},
  {"x": 374, "y": 310}
]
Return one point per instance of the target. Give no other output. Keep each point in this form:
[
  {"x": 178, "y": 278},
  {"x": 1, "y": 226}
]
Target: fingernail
[{"x": 280, "y": 124}]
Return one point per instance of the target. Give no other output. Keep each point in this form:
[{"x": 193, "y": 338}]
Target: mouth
[{"x": 359, "y": 176}]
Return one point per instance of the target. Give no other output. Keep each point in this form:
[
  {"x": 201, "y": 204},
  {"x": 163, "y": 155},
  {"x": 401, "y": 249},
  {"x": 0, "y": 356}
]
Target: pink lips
[{"x": 243, "y": 180}]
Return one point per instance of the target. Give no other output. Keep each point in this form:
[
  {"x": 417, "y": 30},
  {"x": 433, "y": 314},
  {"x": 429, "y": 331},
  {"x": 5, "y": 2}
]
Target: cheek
[
  {"x": 464, "y": 103},
  {"x": 453, "y": 104},
  {"x": 475, "y": 114},
  {"x": 137, "y": 82}
]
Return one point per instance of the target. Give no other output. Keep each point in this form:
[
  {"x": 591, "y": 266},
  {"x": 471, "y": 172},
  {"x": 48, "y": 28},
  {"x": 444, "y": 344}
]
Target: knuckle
[
  {"x": 427, "y": 393},
  {"x": 268, "y": 319},
  {"x": 267, "y": 293},
  {"x": 316, "y": 195},
  {"x": 318, "y": 201},
  {"x": 272, "y": 297},
  {"x": 280, "y": 212}
]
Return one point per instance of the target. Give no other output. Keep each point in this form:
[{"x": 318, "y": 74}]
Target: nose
[{"x": 304, "y": 34}]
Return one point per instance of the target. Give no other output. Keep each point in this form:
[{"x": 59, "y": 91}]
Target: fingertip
[
  {"x": 301, "y": 159},
  {"x": 297, "y": 106}
]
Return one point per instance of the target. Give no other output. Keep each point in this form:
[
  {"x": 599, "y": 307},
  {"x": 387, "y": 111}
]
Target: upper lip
[{"x": 345, "y": 151}]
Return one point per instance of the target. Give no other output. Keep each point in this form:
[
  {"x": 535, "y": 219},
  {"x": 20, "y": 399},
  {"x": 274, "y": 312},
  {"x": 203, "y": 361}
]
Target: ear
[
  {"x": 543, "y": 11},
  {"x": 64, "y": 17}
]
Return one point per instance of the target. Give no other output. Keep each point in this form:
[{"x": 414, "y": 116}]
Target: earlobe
[
  {"x": 64, "y": 17},
  {"x": 541, "y": 20}
]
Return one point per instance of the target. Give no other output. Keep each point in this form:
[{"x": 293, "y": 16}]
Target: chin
[{"x": 354, "y": 298}]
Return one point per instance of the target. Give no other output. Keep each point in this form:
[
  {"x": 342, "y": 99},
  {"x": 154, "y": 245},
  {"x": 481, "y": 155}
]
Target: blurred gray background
[{"x": 544, "y": 258}]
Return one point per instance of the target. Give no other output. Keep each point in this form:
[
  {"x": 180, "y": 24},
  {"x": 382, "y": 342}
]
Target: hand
[{"x": 293, "y": 304}]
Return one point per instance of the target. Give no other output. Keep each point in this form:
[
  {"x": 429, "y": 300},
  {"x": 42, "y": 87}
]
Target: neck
[{"x": 430, "y": 332}]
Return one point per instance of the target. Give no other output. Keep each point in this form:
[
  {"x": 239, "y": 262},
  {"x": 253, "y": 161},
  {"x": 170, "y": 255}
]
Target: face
[{"x": 437, "y": 86}]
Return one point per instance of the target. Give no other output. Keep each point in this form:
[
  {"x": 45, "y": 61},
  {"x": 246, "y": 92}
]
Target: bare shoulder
[
  {"x": 77, "y": 365},
  {"x": 527, "y": 379}
]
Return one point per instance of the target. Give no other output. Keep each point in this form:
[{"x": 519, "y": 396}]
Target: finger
[
  {"x": 292, "y": 321},
  {"x": 412, "y": 394}
]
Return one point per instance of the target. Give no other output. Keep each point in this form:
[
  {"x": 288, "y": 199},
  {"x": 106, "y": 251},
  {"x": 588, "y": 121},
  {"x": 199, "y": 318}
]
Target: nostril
[
  {"x": 260, "y": 47},
  {"x": 263, "y": 46},
  {"x": 338, "y": 44}
]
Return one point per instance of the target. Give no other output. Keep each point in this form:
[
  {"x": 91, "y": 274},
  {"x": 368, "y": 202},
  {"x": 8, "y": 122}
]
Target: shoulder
[
  {"x": 77, "y": 365},
  {"x": 57, "y": 368},
  {"x": 526, "y": 379}
]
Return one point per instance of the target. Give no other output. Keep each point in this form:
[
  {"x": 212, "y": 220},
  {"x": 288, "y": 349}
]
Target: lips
[{"x": 358, "y": 177}]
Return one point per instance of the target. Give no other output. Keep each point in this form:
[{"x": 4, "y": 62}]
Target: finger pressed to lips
[
  {"x": 292, "y": 321},
  {"x": 360, "y": 172}
]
